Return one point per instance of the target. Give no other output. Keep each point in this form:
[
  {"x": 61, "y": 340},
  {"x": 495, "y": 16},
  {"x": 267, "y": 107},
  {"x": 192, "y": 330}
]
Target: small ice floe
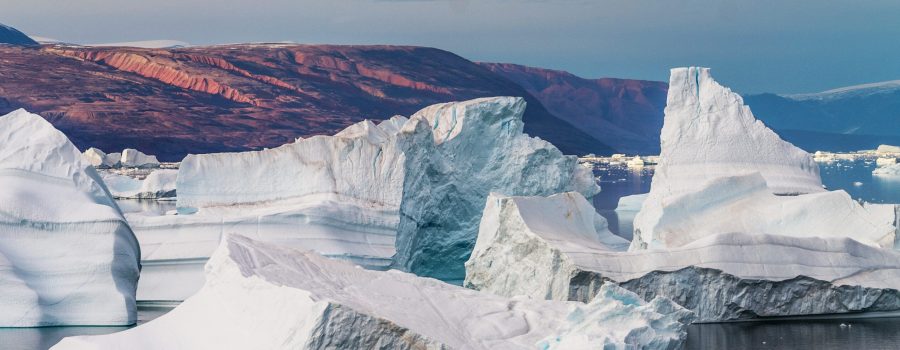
[{"x": 857, "y": 184}]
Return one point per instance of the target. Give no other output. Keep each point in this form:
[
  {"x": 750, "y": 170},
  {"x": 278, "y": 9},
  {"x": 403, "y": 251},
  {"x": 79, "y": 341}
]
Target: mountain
[
  {"x": 626, "y": 114},
  {"x": 11, "y": 36},
  {"x": 845, "y": 119},
  {"x": 171, "y": 102}
]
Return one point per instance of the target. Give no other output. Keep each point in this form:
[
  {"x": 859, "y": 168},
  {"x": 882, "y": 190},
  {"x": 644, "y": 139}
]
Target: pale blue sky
[{"x": 753, "y": 46}]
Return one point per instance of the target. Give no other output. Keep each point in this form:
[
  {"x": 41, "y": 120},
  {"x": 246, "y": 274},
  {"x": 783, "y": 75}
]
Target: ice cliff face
[
  {"x": 550, "y": 248},
  {"x": 708, "y": 134},
  {"x": 406, "y": 193},
  {"x": 67, "y": 256},
  {"x": 260, "y": 295}
]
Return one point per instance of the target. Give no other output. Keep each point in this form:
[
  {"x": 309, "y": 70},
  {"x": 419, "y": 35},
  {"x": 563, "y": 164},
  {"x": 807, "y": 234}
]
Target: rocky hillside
[
  {"x": 171, "y": 102},
  {"x": 625, "y": 114},
  {"x": 11, "y": 36}
]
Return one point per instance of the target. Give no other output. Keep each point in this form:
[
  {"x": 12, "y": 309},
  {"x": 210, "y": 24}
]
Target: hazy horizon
[{"x": 763, "y": 46}]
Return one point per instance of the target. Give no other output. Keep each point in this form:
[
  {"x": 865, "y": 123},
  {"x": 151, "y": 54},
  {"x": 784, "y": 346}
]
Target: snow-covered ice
[
  {"x": 707, "y": 127},
  {"x": 406, "y": 193},
  {"x": 100, "y": 159},
  {"x": 158, "y": 184},
  {"x": 889, "y": 170},
  {"x": 67, "y": 255},
  {"x": 559, "y": 248},
  {"x": 263, "y": 296},
  {"x": 137, "y": 159}
]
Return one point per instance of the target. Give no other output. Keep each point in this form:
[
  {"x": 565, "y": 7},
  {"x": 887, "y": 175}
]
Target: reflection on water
[
  {"x": 150, "y": 206},
  {"x": 45, "y": 337},
  {"x": 859, "y": 334}
]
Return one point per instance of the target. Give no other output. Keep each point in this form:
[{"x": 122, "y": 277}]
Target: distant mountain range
[{"x": 171, "y": 101}]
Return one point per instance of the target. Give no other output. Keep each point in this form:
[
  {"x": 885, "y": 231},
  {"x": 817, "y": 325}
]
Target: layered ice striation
[
  {"x": 708, "y": 133},
  {"x": 263, "y": 296},
  {"x": 558, "y": 248},
  {"x": 405, "y": 193},
  {"x": 67, "y": 255},
  {"x": 157, "y": 184}
]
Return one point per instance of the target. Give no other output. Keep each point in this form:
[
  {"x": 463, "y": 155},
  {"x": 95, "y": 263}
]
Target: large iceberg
[
  {"x": 736, "y": 225},
  {"x": 708, "y": 134},
  {"x": 67, "y": 255},
  {"x": 263, "y": 296},
  {"x": 405, "y": 193},
  {"x": 157, "y": 184},
  {"x": 559, "y": 248}
]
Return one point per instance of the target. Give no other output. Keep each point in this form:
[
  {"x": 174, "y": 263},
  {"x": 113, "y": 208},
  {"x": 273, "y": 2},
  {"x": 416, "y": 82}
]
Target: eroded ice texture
[
  {"x": 557, "y": 248},
  {"x": 67, "y": 256},
  {"x": 262, "y": 296}
]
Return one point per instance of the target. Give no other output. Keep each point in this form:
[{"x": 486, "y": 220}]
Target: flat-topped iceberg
[
  {"x": 406, "y": 193},
  {"x": 67, "y": 256},
  {"x": 157, "y": 184},
  {"x": 558, "y": 248},
  {"x": 262, "y": 296}
]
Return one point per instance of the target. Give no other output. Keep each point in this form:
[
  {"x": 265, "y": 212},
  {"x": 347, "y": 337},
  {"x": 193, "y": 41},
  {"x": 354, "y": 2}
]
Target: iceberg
[
  {"x": 887, "y": 149},
  {"x": 67, "y": 255},
  {"x": 888, "y": 171},
  {"x": 708, "y": 133},
  {"x": 559, "y": 248},
  {"x": 405, "y": 193},
  {"x": 157, "y": 184},
  {"x": 100, "y": 159},
  {"x": 133, "y": 158},
  {"x": 263, "y": 296}
]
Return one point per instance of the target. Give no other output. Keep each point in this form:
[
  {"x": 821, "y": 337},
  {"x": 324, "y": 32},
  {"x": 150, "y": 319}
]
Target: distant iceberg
[
  {"x": 157, "y": 184},
  {"x": 890, "y": 170},
  {"x": 405, "y": 193},
  {"x": 67, "y": 255},
  {"x": 264, "y": 296}
]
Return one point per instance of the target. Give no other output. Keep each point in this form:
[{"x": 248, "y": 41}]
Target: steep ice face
[
  {"x": 478, "y": 147},
  {"x": 543, "y": 247},
  {"x": 65, "y": 249},
  {"x": 708, "y": 133},
  {"x": 100, "y": 159},
  {"x": 134, "y": 158},
  {"x": 157, "y": 184},
  {"x": 259, "y": 295}
]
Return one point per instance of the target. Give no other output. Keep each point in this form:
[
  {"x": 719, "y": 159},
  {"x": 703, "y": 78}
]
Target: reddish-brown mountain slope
[
  {"x": 171, "y": 102},
  {"x": 625, "y": 114}
]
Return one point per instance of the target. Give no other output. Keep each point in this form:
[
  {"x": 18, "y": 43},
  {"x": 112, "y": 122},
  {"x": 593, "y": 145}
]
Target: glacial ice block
[
  {"x": 67, "y": 256},
  {"x": 888, "y": 171},
  {"x": 262, "y": 296},
  {"x": 405, "y": 193},
  {"x": 157, "y": 184},
  {"x": 547, "y": 248},
  {"x": 709, "y": 133},
  {"x": 134, "y": 158}
]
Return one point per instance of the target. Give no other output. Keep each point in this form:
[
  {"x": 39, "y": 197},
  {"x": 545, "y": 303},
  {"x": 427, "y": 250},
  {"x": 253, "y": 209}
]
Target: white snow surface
[
  {"x": 408, "y": 189},
  {"x": 534, "y": 245},
  {"x": 889, "y": 170},
  {"x": 709, "y": 133},
  {"x": 263, "y": 296},
  {"x": 67, "y": 255},
  {"x": 137, "y": 159},
  {"x": 159, "y": 183}
]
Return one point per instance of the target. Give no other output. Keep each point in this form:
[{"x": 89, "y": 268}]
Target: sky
[{"x": 752, "y": 46}]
